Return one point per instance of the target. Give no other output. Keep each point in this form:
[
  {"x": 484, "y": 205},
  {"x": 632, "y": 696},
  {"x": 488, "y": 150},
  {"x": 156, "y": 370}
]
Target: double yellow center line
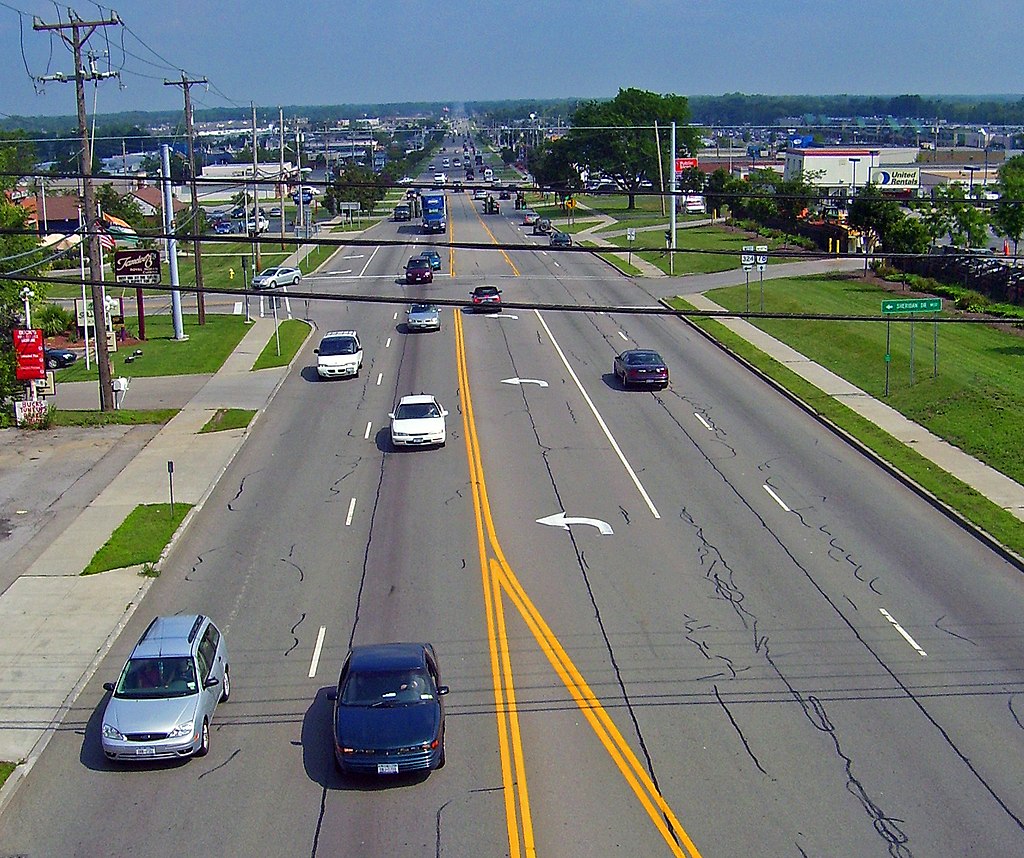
[{"x": 499, "y": 581}]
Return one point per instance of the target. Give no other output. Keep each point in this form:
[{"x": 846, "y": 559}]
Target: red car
[
  {"x": 641, "y": 367},
  {"x": 487, "y": 299},
  {"x": 417, "y": 270}
]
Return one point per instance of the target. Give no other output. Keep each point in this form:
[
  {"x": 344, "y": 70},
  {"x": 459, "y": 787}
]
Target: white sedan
[
  {"x": 271, "y": 278},
  {"x": 418, "y": 421}
]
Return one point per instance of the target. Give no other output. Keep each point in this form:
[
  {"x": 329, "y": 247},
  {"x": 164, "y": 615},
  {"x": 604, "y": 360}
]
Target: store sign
[
  {"x": 137, "y": 267},
  {"x": 28, "y": 352},
  {"x": 683, "y": 164},
  {"x": 896, "y": 178}
]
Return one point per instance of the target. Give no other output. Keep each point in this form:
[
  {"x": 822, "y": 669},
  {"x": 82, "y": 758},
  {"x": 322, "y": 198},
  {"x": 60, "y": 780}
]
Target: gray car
[
  {"x": 163, "y": 702},
  {"x": 423, "y": 317}
]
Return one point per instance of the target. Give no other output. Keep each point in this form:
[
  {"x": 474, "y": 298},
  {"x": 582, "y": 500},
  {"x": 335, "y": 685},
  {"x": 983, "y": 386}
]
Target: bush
[
  {"x": 53, "y": 320},
  {"x": 973, "y": 302}
]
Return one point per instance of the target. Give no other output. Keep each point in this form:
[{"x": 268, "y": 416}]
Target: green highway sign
[{"x": 912, "y": 305}]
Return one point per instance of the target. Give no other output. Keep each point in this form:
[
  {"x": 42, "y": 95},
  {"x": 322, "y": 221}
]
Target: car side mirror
[
  {"x": 442, "y": 690},
  {"x": 391, "y": 415},
  {"x": 211, "y": 681},
  {"x": 108, "y": 686},
  {"x": 316, "y": 351},
  {"x": 444, "y": 413},
  {"x": 332, "y": 694}
]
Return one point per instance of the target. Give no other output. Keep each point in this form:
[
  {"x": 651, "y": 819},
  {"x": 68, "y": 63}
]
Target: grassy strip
[
  {"x": 5, "y": 771},
  {"x": 229, "y": 418},
  {"x": 140, "y": 538},
  {"x": 651, "y": 246},
  {"x": 206, "y": 348},
  {"x": 625, "y": 267},
  {"x": 120, "y": 417},
  {"x": 293, "y": 335},
  {"x": 976, "y": 398},
  {"x": 972, "y": 505}
]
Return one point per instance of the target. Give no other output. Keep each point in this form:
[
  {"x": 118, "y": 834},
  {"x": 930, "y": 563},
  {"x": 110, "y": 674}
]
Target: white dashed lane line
[
  {"x": 315, "y": 661},
  {"x": 702, "y": 420},
  {"x": 387, "y": 345},
  {"x": 351, "y": 512},
  {"x": 366, "y": 434},
  {"x": 380, "y": 378},
  {"x": 902, "y": 631},
  {"x": 775, "y": 497},
  {"x": 623, "y": 336}
]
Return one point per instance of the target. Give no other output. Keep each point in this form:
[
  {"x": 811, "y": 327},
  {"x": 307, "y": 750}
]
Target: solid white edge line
[
  {"x": 316, "y": 651},
  {"x": 351, "y": 512},
  {"x": 380, "y": 378},
  {"x": 902, "y": 631},
  {"x": 775, "y": 497},
  {"x": 366, "y": 434},
  {"x": 600, "y": 421},
  {"x": 368, "y": 261},
  {"x": 707, "y": 425}
]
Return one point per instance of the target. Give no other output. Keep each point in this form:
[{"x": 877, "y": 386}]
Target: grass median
[
  {"x": 119, "y": 417},
  {"x": 699, "y": 250},
  {"x": 140, "y": 538},
  {"x": 228, "y": 418}
]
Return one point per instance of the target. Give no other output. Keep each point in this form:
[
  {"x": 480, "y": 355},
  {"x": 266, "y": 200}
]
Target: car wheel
[
  {"x": 52, "y": 363},
  {"x": 295, "y": 282},
  {"x": 226, "y": 689},
  {"x": 204, "y": 742},
  {"x": 440, "y": 762}
]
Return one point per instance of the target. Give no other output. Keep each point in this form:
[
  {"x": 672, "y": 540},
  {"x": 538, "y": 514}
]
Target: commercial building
[{"x": 844, "y": 168}]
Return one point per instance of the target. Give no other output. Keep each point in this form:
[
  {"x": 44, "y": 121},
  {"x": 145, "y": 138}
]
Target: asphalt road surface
[{"x": 776, "y": 650}]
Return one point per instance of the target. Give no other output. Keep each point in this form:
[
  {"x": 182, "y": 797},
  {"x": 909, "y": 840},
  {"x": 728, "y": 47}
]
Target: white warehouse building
[{"x": 839, "y": 168}]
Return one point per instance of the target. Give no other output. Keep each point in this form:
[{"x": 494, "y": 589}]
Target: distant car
[
  {"x": 418, "y": 421},
  {"x": 275, "y": 211},
  {"x": 423, "y": 317},
  {"x": 272, "y": 278},
  {"x": 486, "y": 299},
  {"x": 480, "y": 194},
  {"x": 504, "y": 194},
  {"x": 530, "y": 217},
  {"x": 222, "y": 227},
  {"x": 388, "y": 714},
  {"x": 560, "y": 239},
  {"x": 162, "y": 704},
  {"x": 440, "y": 179},
  {"x": 541, "y": 226},
  {"x": 418, "y": 270},
  {"x": 339, "y": 354},
  {"x": 238, "y": 213},
  {"x": 434, "y": 257},
  {"x": 641, "y": 367},
  {"x": 59, "y": 358}
]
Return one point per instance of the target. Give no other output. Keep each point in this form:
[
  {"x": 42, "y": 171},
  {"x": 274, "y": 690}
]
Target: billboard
[
  {"x": 139, "y": 267},
  {"x": 685, "y": 164},
  {"x": 28, "y": 352},
  {"x": 897, "y": 178}
]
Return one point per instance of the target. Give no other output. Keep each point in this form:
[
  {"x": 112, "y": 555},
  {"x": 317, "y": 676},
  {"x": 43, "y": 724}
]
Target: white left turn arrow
[
  {"x": 518, "y": 380},
  {"x": 560, "y": 519}
]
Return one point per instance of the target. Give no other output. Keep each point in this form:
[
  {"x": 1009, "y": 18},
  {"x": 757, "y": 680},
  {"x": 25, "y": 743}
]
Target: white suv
[{"x": 340, "y": 354}]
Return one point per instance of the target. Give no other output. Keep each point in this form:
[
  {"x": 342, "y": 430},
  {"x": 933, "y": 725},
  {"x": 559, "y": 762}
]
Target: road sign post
[
  {"x": 912, "y": 307},
  {"x": 761, "y": 257},
  {"x": 630, "y": 237},
  {"x": 747, "y": 261}
]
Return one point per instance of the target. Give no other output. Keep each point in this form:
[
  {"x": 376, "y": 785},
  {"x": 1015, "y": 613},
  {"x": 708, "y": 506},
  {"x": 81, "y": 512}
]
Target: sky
[{"x": 306, "y": 52}]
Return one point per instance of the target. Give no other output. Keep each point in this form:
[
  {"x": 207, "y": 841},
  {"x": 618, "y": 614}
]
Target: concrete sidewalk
[
  {"x": 989, "y": 482},
  {"x": 47, "y": 655}
]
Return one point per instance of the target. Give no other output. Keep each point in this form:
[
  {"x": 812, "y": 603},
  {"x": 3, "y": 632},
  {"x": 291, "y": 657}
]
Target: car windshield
[
  {"x": 643, "y": 359},
  {"x": 150, "y": 678},
  {"x": 419, "y": 263},
  {"x": 417, "y": 411},
  {"x": 418, "y": 309},
  {"x": 387, "y": 688},
  {"x": 338, "y": 346},
  {"x": 430, "y": 254}
]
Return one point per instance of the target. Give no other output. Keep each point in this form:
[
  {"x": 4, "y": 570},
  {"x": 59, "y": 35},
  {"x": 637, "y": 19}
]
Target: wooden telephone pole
[
  {"x": 186, "y": 84},
  {"x": 80, "y": 31}
]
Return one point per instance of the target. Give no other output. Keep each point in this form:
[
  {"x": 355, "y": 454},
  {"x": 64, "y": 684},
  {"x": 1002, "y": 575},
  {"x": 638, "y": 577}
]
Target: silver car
[
  {"x": 162, "y": 705},
  {"x": 423, "y": 317},
  {"x": 272, "y": 278}
]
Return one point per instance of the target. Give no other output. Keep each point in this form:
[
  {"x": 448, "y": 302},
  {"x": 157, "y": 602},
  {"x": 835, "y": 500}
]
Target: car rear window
[{"x": 643, "y": 359}]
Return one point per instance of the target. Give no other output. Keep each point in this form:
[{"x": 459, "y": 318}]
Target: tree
[
  {"x": 1008, "y": 216},
  {"x": 617, "y": 138},
  {"x": 123, "y": 206},
  {"x": 552, "y": 166},
  {"x": 354, "y": 184},
  {"x": 794, "y": 196}
]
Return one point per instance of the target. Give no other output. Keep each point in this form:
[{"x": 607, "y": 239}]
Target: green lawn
[
  {"x": 120, "y": 417},
  {"x": 228, "y": 418},
  {"x": 975, "y": 402},
  {"x": 293, "y": 334},
  {"x": 140, "y": 538},
  {"x": 725, "y": 246},
  {"x": 622, "y": 264},
  {"x": 205, "y": 350},
  {"x": 5, "y": 771}
]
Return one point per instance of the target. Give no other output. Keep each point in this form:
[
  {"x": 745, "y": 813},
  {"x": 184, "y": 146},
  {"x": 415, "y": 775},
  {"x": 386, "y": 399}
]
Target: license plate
[
  {"x": 146, "y": 752},
  {"x": 387, "y": 768}
]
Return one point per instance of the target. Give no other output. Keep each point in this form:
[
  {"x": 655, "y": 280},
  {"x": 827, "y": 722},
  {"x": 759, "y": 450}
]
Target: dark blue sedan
[{"x": 389, "y": 710}]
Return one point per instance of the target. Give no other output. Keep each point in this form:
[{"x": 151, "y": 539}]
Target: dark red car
[
  {"x": 418, "y": 270},
  {"x": 640, "y": 367},
  {"x": 486, "y": 299}
]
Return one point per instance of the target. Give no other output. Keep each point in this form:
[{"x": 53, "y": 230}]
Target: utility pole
[
  {"x": 186, "y": 83},
  {"x": 257, "y": 263},
  {"x": 80, "y": 32}
]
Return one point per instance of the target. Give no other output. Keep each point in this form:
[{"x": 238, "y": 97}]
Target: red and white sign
[
  {"x": 685, "y": 164},
  {"x": 28, "y": 351}
]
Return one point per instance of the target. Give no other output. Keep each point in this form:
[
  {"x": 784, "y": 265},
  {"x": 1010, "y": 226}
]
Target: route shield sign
[
  {"x": 747, "y": 256},
  {"x": 762, "y": 256},
  {"x": 911, "y": 305}
]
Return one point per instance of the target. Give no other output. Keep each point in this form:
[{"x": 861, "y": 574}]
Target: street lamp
[
  {"x": 853, "y": 184},
  {"x": 971, "y": 169},
  {"x": 27, "y": 295}
]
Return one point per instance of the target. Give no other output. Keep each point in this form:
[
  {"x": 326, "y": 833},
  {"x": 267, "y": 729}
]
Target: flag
[{"x": 106, "y": 239}]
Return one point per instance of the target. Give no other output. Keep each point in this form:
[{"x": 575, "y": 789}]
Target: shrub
[{"x": 53, "y": 319}]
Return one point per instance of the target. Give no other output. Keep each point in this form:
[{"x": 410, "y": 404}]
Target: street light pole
[{"x": 853, "y": 184}]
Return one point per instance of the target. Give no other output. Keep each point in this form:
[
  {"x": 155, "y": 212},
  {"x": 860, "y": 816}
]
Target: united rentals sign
[
  {"x": 137, "y": 267},
  {"x": 897, "y": 178}
]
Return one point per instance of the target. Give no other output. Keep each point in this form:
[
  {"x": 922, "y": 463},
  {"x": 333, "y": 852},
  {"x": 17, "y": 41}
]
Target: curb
[{"x": 952, "y": 514}]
